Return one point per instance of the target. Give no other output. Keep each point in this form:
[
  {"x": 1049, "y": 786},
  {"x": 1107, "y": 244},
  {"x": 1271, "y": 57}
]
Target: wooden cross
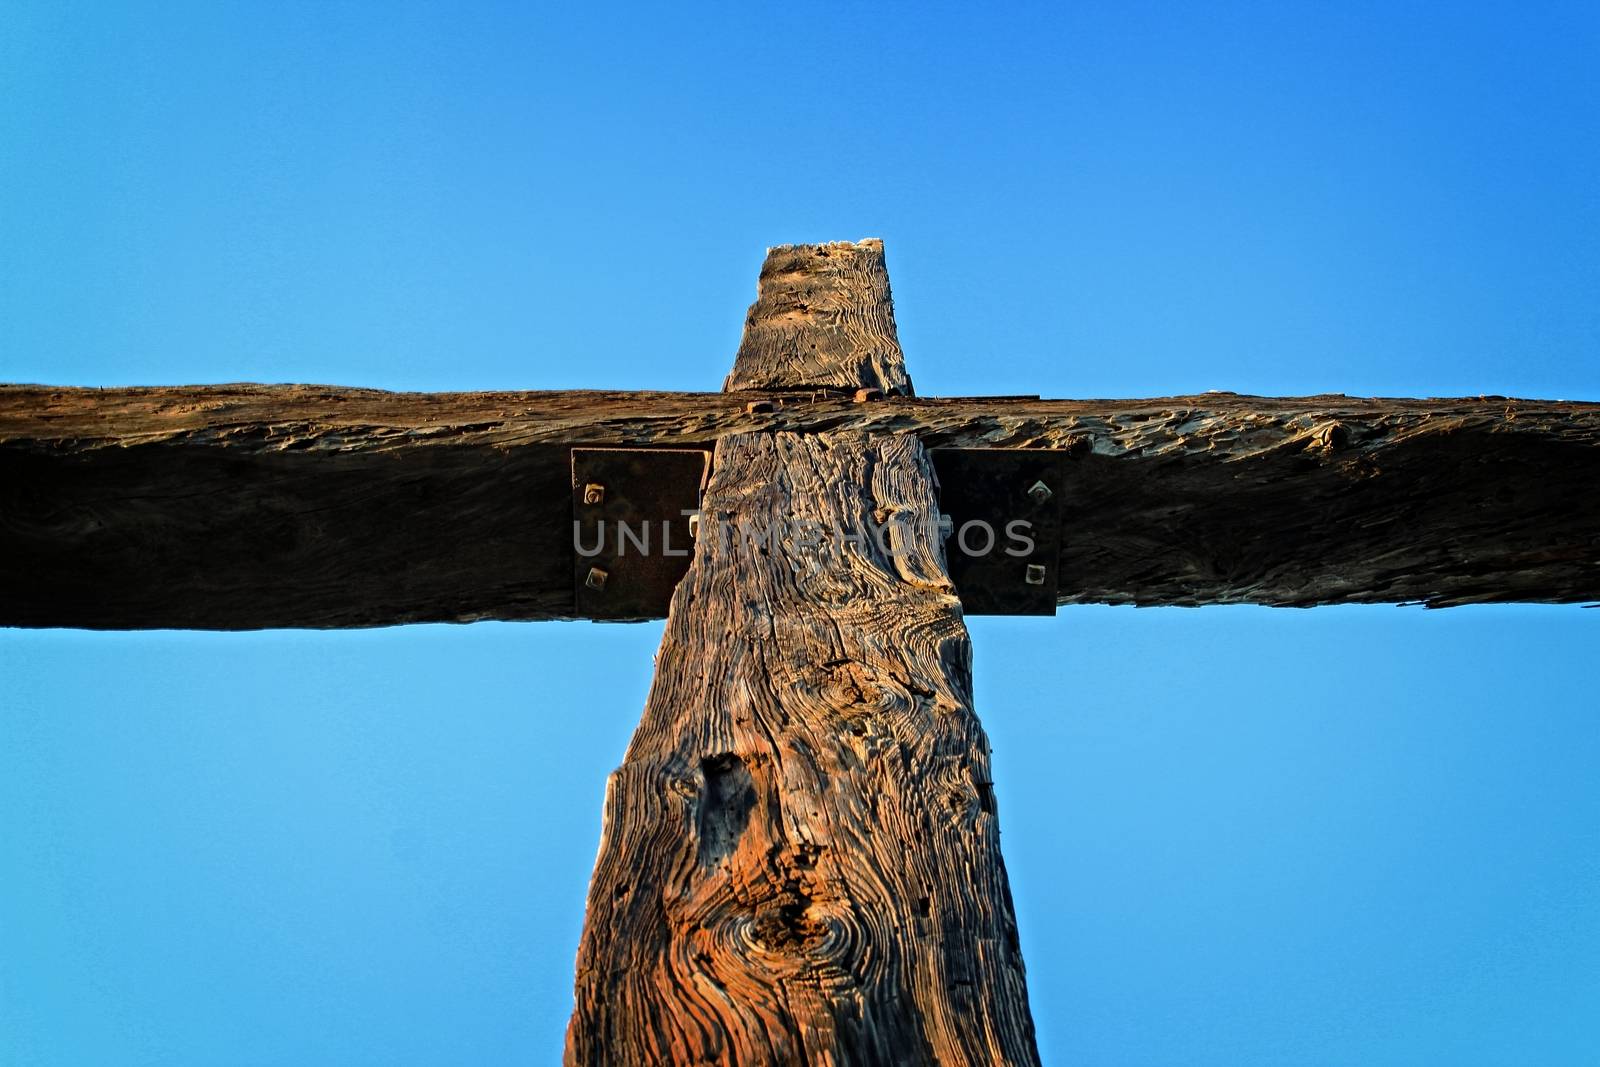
[{"x": 800, "y": 861}]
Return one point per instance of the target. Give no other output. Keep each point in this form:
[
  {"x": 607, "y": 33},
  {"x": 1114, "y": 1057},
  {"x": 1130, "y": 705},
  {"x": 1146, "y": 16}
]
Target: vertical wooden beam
[
  {"x": 823, "y": 318},
  {"x": 800, "y": 862}
]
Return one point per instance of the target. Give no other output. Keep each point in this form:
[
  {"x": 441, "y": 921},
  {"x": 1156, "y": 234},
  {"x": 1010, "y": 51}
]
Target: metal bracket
[
  {"x": 631, "y": 536},
  {"x": 1004, "y": 546}
]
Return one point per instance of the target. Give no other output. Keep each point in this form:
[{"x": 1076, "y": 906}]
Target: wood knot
[
  {"x": 726, "y": 797},
  {"x": 783, "y": 919},
  {"x": 853, "y": 691}
]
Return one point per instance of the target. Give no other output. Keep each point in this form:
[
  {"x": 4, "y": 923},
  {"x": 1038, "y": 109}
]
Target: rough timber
[
  {"x": 801, "y": 856},
  {"x": 823, "y": 318},
  {"x": 247, "y": 506}
]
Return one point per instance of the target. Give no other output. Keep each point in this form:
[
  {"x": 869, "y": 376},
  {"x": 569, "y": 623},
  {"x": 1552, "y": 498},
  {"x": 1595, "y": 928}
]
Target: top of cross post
[{"x": 823, "y": 319}]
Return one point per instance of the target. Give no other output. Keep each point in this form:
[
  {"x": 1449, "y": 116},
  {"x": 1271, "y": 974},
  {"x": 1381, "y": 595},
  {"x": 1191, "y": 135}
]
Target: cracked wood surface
[
  {"x": 248, "y": 506},
  {"x": 801, "y": 862},
  {"x": 823, "y": 317}
]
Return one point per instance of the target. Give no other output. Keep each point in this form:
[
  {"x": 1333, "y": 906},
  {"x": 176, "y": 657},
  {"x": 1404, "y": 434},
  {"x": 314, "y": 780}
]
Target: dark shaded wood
[
  {"x": 823, "y": 318},
  {"x": 246, "y": 506},
  {"x": 801, "y": 860}
]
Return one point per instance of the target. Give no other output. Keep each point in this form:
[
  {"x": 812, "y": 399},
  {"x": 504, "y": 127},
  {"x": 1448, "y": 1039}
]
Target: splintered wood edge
[{"x": 315, "y": 417}]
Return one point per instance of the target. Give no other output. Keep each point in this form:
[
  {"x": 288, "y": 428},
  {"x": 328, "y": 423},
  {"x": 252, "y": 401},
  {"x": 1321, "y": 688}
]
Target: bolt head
[
  {"x": 597, "y": 578},
  {"x": 594, "y": 493},
  {"x": 1040, "y": 492},
  {"x": 1034, "y": 574}
]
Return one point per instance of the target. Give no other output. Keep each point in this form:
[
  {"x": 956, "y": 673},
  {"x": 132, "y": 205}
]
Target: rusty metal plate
[
  {"x": 1004, "y": 546},
  {"x": 631, "y": 542}
]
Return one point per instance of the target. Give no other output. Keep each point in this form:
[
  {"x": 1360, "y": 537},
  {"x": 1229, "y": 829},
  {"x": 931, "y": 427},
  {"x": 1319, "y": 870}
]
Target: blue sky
[{"x": 1235, "y": 835}]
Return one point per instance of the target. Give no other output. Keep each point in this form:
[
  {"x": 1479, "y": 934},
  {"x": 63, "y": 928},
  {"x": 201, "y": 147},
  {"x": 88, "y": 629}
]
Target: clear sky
[{"x": 1236, "y": 836}]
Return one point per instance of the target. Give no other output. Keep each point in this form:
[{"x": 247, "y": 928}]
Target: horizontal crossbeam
[{"x": 249, "y": 506}]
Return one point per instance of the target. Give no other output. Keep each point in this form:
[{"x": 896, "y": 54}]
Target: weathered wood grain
[
  {"x": 823, "y": 318},
  {"x": 246, "y": 506},
  {"x": 800, "y": 861}
]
